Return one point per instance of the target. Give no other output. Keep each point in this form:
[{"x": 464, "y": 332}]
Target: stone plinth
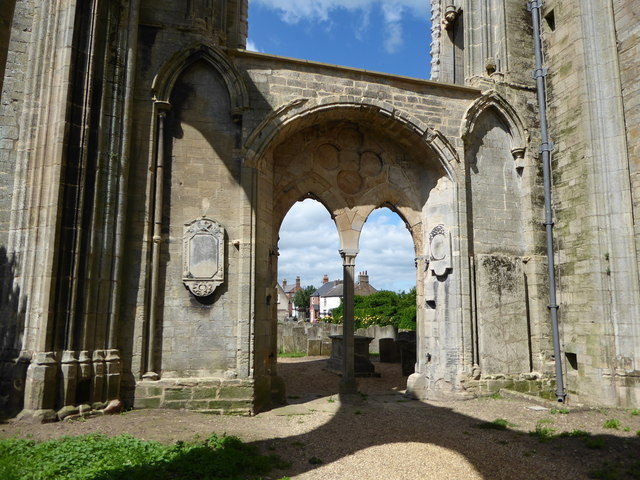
[{"x": 362, "y": 363}]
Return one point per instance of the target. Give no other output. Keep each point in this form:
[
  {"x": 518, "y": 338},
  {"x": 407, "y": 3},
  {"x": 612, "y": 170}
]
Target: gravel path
[{"x": 385, "y": 436}]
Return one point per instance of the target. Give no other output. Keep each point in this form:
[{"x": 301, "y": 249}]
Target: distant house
[
  {"x": 283, "y": 303},
  {"x": 363, "y": 287},
  {"x": 290, "y": 291},
  {"x": 329, "y": 295}
]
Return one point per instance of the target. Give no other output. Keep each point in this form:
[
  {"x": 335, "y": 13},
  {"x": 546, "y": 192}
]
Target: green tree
[
  {"x": 302, "y": 297},
  {"x": 382, "y": 308}
]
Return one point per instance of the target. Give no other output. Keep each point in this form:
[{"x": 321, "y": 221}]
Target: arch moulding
[
  {"x": 493, "y": 100},
  {"x": 168, "y": 74},
  {"x": 285, "y": 119}
]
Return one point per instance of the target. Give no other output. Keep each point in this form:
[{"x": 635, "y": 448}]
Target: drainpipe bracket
[
  {"x": 534, "y": 4},
  {"x": 540, "y": 72},
  {"x": 547, "y": 147}
]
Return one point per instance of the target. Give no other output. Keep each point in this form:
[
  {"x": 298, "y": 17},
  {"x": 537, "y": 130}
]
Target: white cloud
[
  {"x": 295, "y": 11},
  {"x": 393, "y": 26},
  {"x": 251, "y": 46},
  {"x": 309, "y": 248}
]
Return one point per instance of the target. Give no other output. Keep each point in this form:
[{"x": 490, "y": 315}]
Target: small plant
[
  {"x": 613, "y": 423},
  {"x": 635, "y": 412},
  {"x": 576, "y": 434},
  {"x": 563, "y": 411},
  {"x": 496, "y": 396},
  {"x": 331, "y": 400},
  {"x": 638, "y": 433},
  {"x": 315, "y": 461},
  {"x": 595, "y": 443},
  {"x": 544, "y": 431},
  {"x": 627, "y": 429}
]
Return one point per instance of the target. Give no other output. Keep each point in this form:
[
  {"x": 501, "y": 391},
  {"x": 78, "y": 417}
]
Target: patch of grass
[
  {"x": 627, "y": 429},
  {"x": 315, "y": 461},
  {"x": 563, "y": 411},
  {"x": 613, "y": 423},
  {"x": 544, "y": 431},
  {"x": 615, "y": 471},
  {"x": 331, "y": 400},
  {"x": 575, "y": 434},
  {"x": 292, "y": 354},
  {"x": 98, "y": 457},
  {"x": 594, "y": 443},
  {"x": 635, "y": 412},
  {"x": 496, "y": 396},
  {"x": 497, "y": 424}
]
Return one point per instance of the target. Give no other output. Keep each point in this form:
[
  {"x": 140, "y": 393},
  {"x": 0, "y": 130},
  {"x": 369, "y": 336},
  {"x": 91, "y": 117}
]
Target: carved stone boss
[{"x": 203, "y": 256}]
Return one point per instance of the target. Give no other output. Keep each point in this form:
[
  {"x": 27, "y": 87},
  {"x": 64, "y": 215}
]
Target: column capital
[
  {"x": 349, "y": 256},
  {"x": 162, "y": 107}
]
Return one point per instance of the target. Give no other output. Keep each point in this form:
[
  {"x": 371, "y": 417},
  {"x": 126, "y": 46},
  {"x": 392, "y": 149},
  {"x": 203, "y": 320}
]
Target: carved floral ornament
[{"x": 203, "y": 256}]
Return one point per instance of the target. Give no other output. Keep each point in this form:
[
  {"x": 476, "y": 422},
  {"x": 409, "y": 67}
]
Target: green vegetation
[
  {"x": 98, "y": 457},
  {"x": 302, "y": 297},
  {"x": 612, "y": 423},
  {"x": 292, "y": 354},
  {"x": 563, "y": 411},
  {"x": 382, "y": 308},
  {"x": 614, "y": 471},
  {"x": 497, "y": 424},
  {"x": 576, "y": 434},
  {"x": 315, "y": 461},
  {"x": 594, "y": 443},
  {"x": 544, "y": 431},
  {"x": 635, "y": 411}
]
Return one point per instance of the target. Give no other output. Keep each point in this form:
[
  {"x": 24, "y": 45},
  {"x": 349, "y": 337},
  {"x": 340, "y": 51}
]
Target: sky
[{"x": 390, "y": 36}]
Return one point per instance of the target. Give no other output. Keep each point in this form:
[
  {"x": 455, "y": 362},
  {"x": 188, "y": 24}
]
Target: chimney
[
  {"x": 284, "y": 284},
  {"x": 298, "y": 282},
  {"x": 363, "y": 278},
  {"x": 325, "y": 279}
]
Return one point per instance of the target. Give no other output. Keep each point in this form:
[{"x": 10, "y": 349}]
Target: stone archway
[{"x": 353, "y": 161}]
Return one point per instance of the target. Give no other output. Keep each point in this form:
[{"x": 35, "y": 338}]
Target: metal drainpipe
[{"x": 538, "y": 74}]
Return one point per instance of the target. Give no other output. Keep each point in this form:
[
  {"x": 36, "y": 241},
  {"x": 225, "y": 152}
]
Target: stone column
[
  {"x": 348, "y": 383},
  {"x": 112, "y": 383},
  {"x": 85, "y": 372},
  {"x": 69, "y": 371},
  {"x": 98, "y": 380},
  {"x": 40, "y": 388}
]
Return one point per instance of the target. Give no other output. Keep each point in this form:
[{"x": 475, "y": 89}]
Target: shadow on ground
[{"x": 385, "y": 418}]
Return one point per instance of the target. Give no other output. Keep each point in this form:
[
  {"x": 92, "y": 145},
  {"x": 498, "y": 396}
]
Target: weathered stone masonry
[{"x": 124, "y": 122}]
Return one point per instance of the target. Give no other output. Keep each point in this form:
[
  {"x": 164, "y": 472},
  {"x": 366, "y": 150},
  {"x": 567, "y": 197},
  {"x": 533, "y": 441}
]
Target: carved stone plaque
[
  {"x": 203, "y": 256},
  {"x": 440, "y": 250}
]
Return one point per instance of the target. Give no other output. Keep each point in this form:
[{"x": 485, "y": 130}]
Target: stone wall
[{"x": 293, "y": 337}]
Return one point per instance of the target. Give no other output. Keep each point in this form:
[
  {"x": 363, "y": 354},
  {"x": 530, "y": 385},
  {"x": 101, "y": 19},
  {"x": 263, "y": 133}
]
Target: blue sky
[{"x": 390, "y": 36}]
